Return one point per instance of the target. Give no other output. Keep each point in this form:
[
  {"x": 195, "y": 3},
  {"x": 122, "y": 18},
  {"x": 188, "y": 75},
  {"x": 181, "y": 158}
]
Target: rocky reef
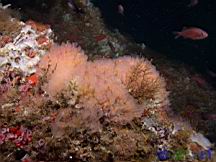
[{"x": 61, "y": 103}]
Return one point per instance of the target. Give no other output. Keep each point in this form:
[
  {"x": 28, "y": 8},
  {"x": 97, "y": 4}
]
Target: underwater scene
[{"x": 107, "y": 80}]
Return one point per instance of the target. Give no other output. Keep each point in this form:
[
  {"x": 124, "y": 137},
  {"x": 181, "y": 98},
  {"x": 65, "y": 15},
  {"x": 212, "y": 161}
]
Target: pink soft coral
[
  {"x": 59, "y": 65},
  {"x": 121, "y": 88}
]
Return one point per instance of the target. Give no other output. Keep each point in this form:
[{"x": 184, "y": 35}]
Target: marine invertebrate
[
  {"x": 121, "y": 88},
  {"x": 61, "y": 63},
  {"x": 23, "y": 51}
]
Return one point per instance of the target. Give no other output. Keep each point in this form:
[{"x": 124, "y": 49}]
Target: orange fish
[{"x": 193, "y": 33}]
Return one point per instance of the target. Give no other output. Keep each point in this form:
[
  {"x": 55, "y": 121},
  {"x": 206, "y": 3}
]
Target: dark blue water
[{"x": 153, "y": 22}]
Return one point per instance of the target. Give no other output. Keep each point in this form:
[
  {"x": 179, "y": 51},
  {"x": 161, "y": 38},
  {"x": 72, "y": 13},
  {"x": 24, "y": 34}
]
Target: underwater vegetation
[
  {"x": 59, "y": 102},
  {"x": 121, "y": 89}
]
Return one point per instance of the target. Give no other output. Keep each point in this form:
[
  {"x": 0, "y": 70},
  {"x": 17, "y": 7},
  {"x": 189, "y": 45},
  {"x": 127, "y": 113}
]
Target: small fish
[
  {"x": 210, "y": 116},
  {"x": 71, "y": 5},
  {"x": 211, "y": 73},
  {"x": 193, "y": 3},
  {"x": 75, "y": 6},
  {"x": 120, "y": 9},
  {"x": 100, "y": 37},
  {"x": 200, "y": 81},
  {"x": 193, "y": 33}
]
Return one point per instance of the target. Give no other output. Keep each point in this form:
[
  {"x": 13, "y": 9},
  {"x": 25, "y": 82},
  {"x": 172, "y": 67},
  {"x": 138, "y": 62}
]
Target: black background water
[{"x": 154, "y": 21}]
